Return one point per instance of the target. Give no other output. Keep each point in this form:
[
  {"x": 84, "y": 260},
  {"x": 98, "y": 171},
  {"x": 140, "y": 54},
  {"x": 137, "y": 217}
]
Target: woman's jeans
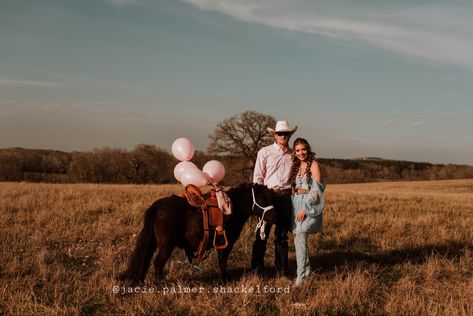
[{"x": 302, "y": 257}]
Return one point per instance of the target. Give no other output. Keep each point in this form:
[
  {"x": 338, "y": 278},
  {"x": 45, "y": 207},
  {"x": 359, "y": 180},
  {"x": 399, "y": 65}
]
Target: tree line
[
  {"x": 147, "y": 164},
  {"x": 234, "y": 142}
]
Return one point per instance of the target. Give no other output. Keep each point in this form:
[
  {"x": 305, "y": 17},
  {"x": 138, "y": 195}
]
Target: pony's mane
[
  {"x": 241, "y": 186},
  {"x": 236, "y": 193}
]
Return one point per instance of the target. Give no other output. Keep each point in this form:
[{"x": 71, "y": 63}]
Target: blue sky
[{"x": 391, "y": 79}]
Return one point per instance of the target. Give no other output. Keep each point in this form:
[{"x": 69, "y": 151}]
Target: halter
[{"x": 262, "y": 223}]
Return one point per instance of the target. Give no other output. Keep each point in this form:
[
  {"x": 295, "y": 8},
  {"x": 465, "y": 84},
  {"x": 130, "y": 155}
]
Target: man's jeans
[{"x": 283, "y": 208}]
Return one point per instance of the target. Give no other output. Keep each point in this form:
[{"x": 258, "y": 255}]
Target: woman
[{"x": 307, "y": 203}]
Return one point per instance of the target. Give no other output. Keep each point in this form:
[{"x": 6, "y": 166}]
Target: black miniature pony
[{"x": 172, "y": 222}]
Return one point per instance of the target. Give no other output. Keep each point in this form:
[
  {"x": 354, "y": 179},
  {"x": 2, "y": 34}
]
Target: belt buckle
[{"x": 283, "y": 192}]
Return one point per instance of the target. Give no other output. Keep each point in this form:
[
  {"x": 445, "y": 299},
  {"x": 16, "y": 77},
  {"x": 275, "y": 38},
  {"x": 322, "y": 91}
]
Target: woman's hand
[
  {"x": 300, "y": 216},
  {"x": 314, "y": 196}
]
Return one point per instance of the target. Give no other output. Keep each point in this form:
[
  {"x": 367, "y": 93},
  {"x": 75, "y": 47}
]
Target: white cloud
[
  {"x": 122, "y": 2},
  {"x": 26, "y": 83},
  {"x": 104, "y": 108},
  {"x": 416, "y": 123},
  {"x": 441, "y": 33},
  {"x": 392, "y": 123},
  {"x": 99, "y": 108}
]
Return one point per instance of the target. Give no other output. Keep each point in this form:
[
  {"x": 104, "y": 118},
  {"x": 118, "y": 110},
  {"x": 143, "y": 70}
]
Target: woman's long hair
[{"x": 296, "y": 163}]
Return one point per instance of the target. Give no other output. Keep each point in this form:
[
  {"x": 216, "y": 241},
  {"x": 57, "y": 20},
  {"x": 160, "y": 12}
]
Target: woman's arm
[{"x": 315, "y": 170}]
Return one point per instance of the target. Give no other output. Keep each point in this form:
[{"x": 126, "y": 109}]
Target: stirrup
[{"x": 220, "y": 232}]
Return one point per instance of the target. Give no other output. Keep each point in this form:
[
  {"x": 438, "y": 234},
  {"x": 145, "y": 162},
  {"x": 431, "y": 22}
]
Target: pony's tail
[{"x": 144, "y": 249}]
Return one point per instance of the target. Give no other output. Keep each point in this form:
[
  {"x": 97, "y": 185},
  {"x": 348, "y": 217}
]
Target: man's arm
[{"x": 260, "y": 168}]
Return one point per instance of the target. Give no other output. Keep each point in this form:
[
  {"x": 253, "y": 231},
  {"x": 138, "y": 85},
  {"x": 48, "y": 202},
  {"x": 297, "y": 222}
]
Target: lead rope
[{"x": 262, "y": 223}]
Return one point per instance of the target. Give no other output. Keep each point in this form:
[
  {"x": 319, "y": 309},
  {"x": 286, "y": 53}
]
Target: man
[{"x": 273, "y": 167}]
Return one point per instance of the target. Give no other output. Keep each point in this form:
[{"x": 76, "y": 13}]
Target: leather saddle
[{"x": 212, "y": 216}]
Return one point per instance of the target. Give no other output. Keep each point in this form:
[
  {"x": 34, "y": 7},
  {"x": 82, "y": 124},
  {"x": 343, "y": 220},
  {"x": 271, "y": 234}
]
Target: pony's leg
[
  {"x": 162, "y": 257},
  {"x": 190, "y": 254},
  {"x": 222, "y": 262}
]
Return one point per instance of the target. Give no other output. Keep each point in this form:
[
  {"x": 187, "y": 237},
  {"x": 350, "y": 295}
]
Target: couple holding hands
[{"x": 294, "y": 175}]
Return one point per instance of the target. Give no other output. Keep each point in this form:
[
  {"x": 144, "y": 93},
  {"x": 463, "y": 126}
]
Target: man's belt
[
  {"x": 301, "y": 191},
  {"x": 283, "y": 192}
]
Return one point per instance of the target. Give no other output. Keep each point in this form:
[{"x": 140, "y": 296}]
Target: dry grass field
[{"x": 398, "y": 248}]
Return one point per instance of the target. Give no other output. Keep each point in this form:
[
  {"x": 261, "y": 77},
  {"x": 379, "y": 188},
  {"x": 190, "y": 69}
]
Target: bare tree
[
  {"x": 242, "y": 135},
  {"x": 152, "y": 165}
]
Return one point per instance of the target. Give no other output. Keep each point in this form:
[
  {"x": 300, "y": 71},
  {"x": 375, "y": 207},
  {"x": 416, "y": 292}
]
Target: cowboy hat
[{"x": 281, "y": 127}]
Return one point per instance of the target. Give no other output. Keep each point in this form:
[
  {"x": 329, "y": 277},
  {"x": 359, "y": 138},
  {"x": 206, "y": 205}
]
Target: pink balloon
[
  {"x": 193, "y": 176},
  {"x": 182, "y": 149},
  {"x": 180, "y": 167},
  {"x": 214, "y": 170}
]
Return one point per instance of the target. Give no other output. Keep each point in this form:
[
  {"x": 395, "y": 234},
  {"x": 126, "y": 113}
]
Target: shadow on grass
[
  {"x": 365, "y": 254},
  {"x": 328, "y": 261}
]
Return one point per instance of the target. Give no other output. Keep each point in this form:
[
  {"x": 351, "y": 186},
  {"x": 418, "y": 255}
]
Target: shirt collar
[{"x": 278, "y": 148}]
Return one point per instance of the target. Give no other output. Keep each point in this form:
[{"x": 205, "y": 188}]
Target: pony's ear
[
  {"x": 260, "y": 188},
  {"x": 256, "y": 186}
]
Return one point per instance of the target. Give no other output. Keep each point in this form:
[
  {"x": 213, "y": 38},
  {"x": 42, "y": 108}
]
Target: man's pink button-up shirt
[{"x": 273, "y": 167}]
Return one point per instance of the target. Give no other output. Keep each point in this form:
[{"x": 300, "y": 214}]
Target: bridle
[{"x": 262, "y": 223}]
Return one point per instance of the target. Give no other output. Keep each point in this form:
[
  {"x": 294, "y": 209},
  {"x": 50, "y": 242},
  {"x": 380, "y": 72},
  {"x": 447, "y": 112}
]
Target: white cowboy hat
[{"x": 281, "y": 127}]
